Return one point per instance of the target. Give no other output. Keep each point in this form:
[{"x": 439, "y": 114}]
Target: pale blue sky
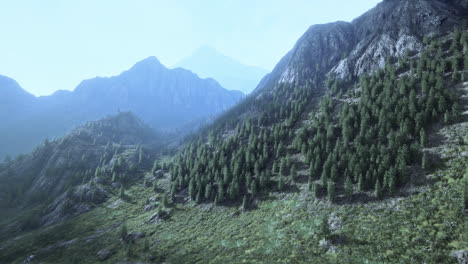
[{"x": 49, "y": 45}]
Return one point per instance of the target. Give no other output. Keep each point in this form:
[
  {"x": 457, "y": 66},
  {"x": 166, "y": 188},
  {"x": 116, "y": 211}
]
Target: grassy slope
[{"x": 423, "y": 227}]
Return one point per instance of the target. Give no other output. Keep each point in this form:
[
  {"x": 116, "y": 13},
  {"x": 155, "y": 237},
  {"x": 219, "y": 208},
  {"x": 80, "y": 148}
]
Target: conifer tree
[
  {"x": 324, "y": 228},
  {"x": 245, "y": 204},
  {"x": 378, "y": 189},
  {"x": 331, "y": 191},
  {"x": 280, "y": 182},
  {"x": 348, "y": 187},
  {"x": 122, "y": 192},
  {"x": 220, "y": 195}
]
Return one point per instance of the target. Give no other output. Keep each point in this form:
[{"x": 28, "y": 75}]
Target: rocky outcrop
[
  {"x": 79, "y": 200},
  {"x": 460, "y": 255},
  {"x": 347, "y": 50}
]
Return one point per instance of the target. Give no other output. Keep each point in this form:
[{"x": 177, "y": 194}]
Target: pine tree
[
  {"x": 220, "y": 195},
  {"x": 280, "y": 182},
  {"x": 392, "y": 181},
  {"x": 155, "y": 186},
  {"x": 378, "y": 190},
  {"x": 208, "y": 191},
  {"x": 361, "y": 184},
  {"x": 348, "y": 187},
  {"x": 275, "y": 167},
  {"x": 245, "y": 204},
  {"x": 293, "y": 172},
  {"x": 191, "y": 191},
  {"x": 466, "y": 56},
  {"x": 146, "y": 246},
  {"x": 331, "y": 191},
  {"x": 283, "y": 167},
  {"x": 122, "y": 192},
  {"x": 315, "y": 189},
  {"x": 253, "y": 187},
  {"x": 164, "y": 201},
  {"x": 424, "y": 160},
  {"x": 155, "y": 166},
  {"x": 324, "y": 228},
  {"x": 140, "y": 155},
  {"x": 422, "y": 138},
  {"x": 123, "y": 231}
]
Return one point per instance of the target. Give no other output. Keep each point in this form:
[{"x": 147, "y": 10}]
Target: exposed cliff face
[
  {"x": 347, "y": 50},
  {"x": 395, "y": 26}
]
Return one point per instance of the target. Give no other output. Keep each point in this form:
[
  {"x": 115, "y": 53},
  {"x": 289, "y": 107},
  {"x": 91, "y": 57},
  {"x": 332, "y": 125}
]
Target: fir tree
[
  {"x": 378, "y": 190},
  {"x": 348, "y": 187},
  {"x": 331, "y": 191}
]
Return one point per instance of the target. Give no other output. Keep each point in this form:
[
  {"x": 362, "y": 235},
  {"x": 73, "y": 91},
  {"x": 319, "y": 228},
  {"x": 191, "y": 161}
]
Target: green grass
[{"x": 283, "y": 228}]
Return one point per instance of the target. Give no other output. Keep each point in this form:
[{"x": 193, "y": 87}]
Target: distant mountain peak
[
  {"x": 148, "y": 63},
  {"x": 208, "y": 62},
  {"x": 208, "y": 50}
]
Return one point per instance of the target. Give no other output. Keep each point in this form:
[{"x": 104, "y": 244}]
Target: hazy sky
[{"x": 49, "y": 45}]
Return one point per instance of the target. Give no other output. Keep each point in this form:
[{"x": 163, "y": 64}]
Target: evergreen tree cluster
[{"x": 363, "y": 137}]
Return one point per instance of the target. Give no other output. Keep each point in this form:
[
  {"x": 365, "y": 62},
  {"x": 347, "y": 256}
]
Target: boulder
[
  {"x": 159, "y": 215},
  {"x": 150, "y": 207},
  {"x": 132, "y": 236},
  {"x": 74, "y": 202},
  {"x": 159, "y": 174},
  {"x": 105, "y": 253}
]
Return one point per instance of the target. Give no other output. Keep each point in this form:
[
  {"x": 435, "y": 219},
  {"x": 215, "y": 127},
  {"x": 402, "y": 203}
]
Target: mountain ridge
[
  {"x": 366, "y": 48},
  {"x": 166, "y": 99}
]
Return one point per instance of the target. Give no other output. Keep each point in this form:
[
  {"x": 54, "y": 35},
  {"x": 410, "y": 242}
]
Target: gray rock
[
  {"x": 324, "y": 244},
  {"x": 460, "y": 255},
  {"x": 105, "y": 253},
  {"x": 159, "y": 174},
  {"x": 132, "y": 236},
  {"x": 150, "y": 207},
  {"x": 158, "y": 216},
  {"x": 334, "y": 223},
  {"x": 74, "y": 202},
  {"x": 29, "y": 259}
]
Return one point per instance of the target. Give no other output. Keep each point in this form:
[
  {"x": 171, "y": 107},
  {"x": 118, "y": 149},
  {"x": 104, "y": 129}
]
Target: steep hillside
[
  {"x": 103, "y": 151},
  {"x": 347, "y": 50},
  {"x": 165, "y": 99}
]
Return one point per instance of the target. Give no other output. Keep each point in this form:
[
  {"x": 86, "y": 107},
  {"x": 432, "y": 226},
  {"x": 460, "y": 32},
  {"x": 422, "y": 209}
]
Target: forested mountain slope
[
  {"x": 310, "y": 168},
  {"x": 107, "y": 151}
]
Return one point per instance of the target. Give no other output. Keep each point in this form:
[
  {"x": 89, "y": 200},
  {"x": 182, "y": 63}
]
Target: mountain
[
  {"x": 349, "y": 49},
  {"x": 91, "y": 152},
  {"x": 309, "y": 168},
  {"x": 165, "y": 99},
  {"x": 231, "y": 74}
]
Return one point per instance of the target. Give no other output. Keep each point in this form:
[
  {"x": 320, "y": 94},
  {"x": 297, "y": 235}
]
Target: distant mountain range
[
  {"x": 231, "y": 74},
  {"x": 165, "y": 99}
]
